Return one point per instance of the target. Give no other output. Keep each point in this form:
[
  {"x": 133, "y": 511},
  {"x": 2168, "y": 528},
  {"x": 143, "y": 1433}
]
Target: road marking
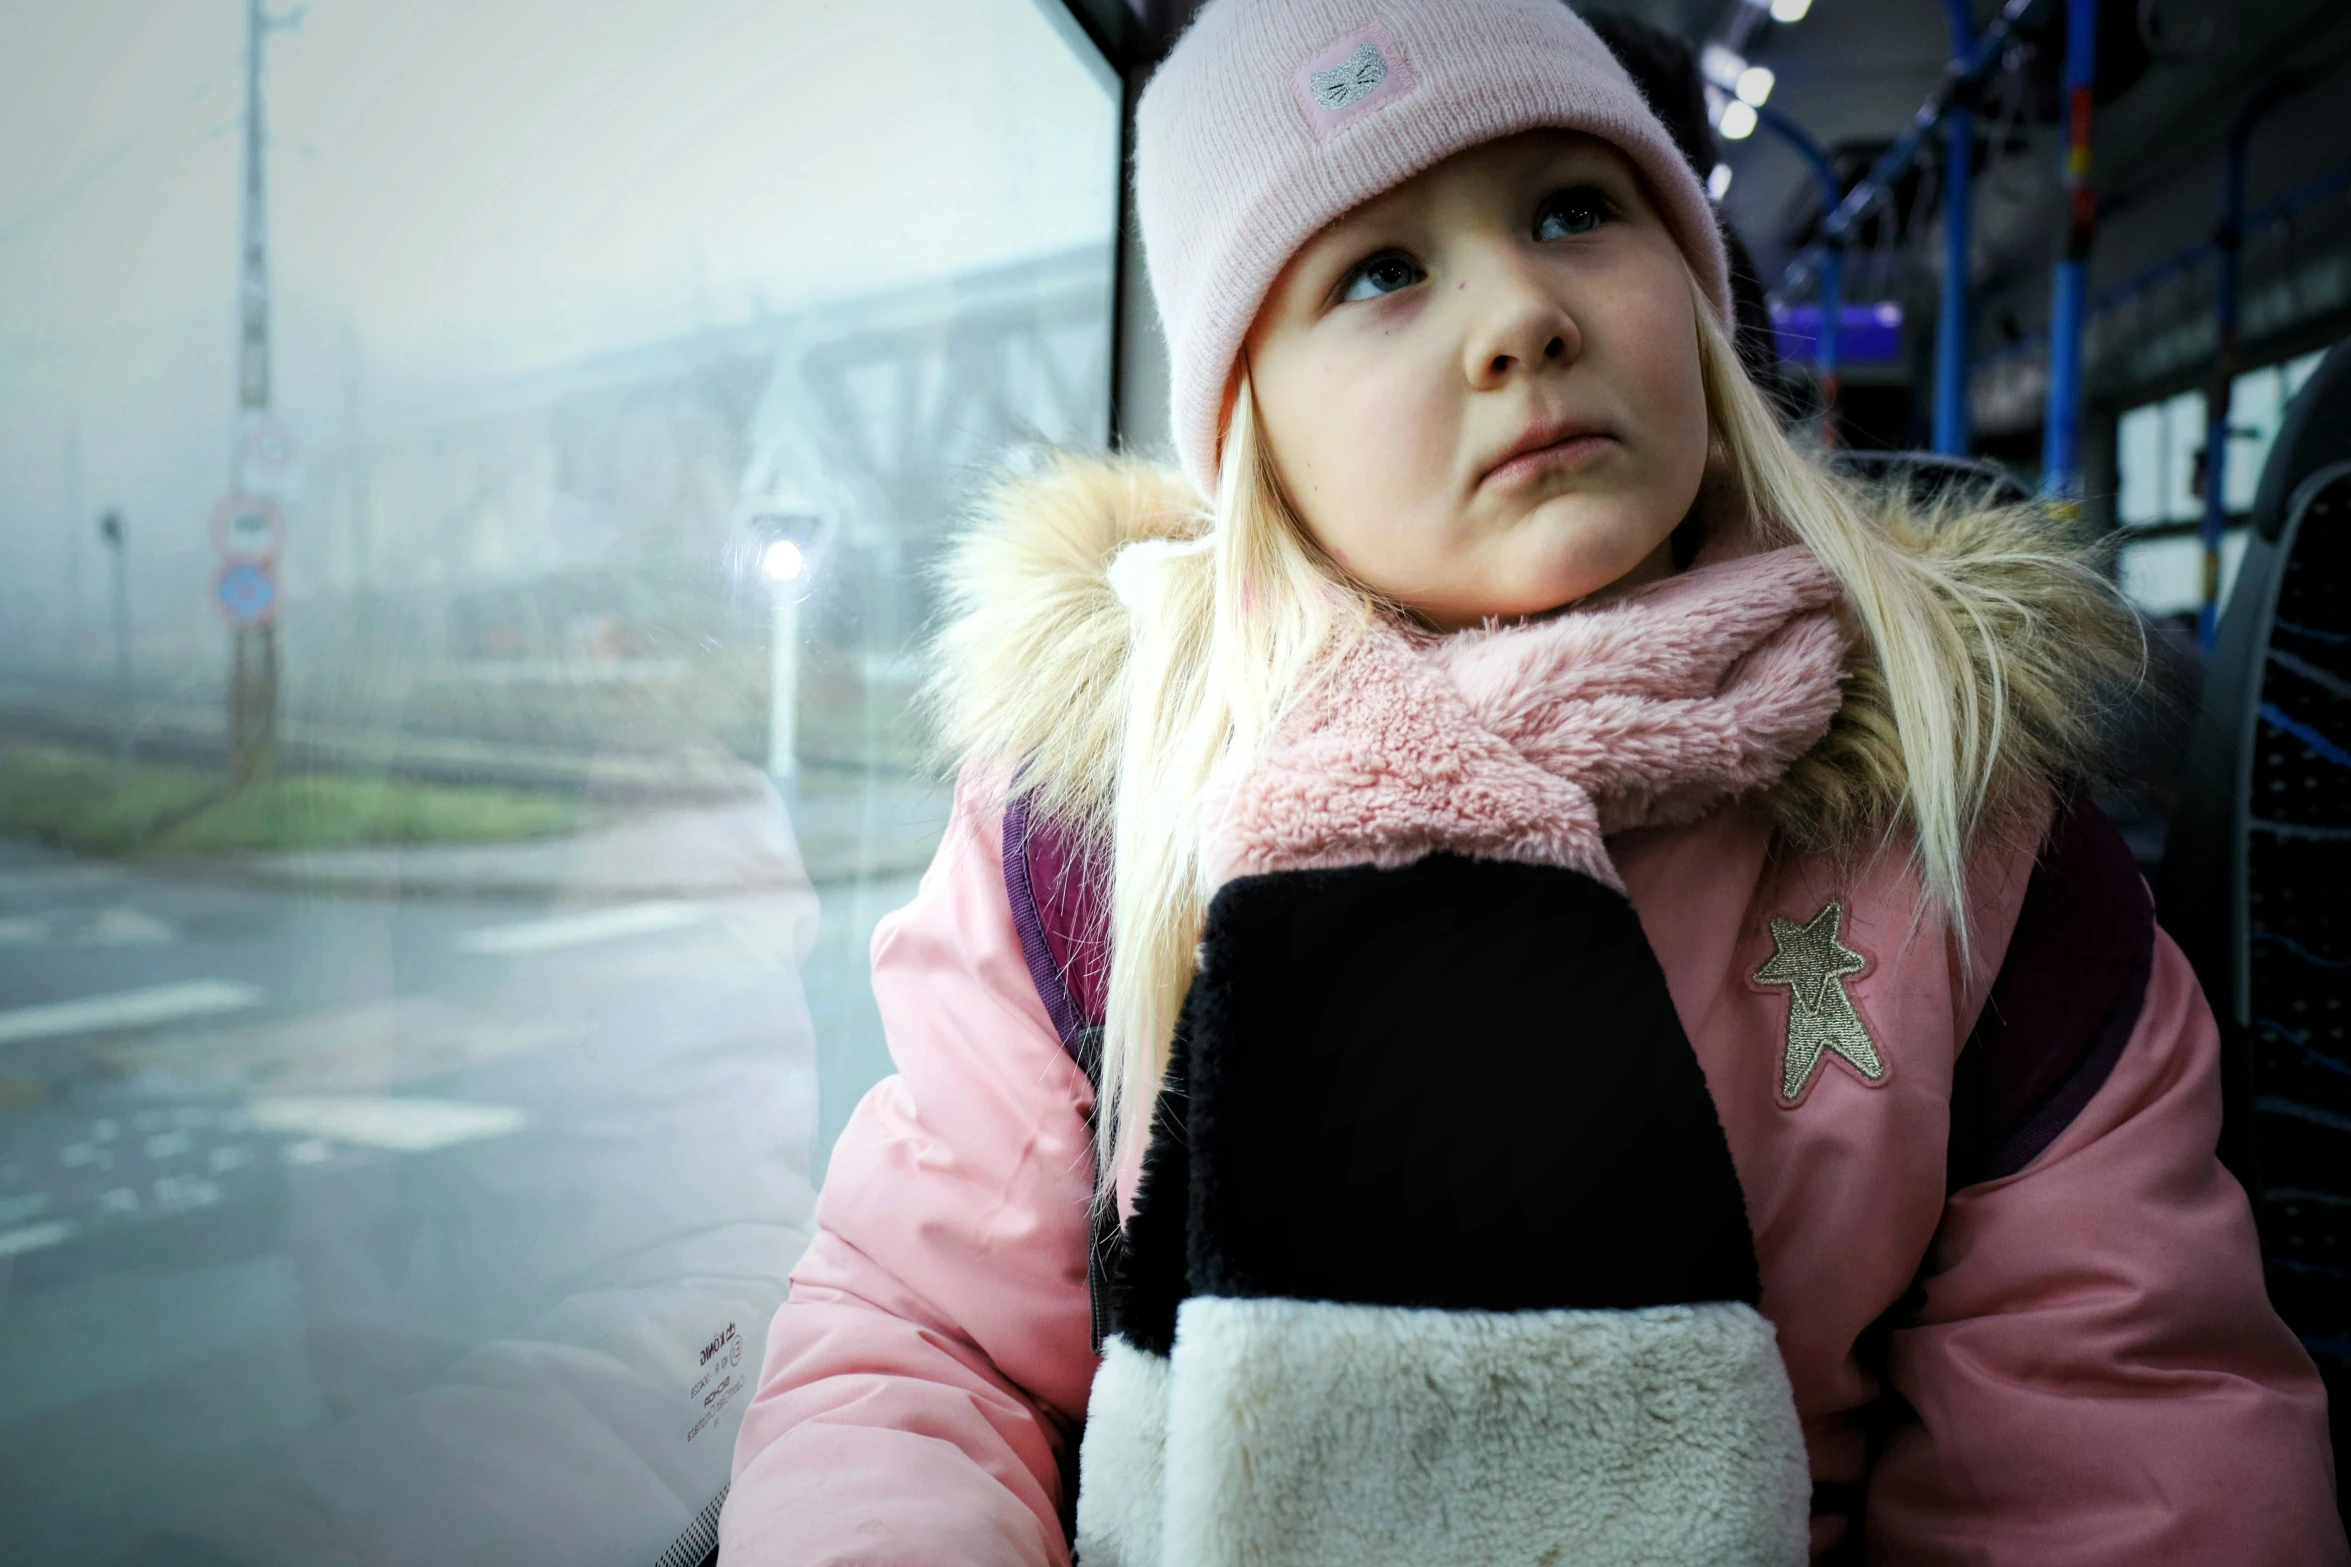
[
  {"x": 128, "y": 928},
  {"x": 579, "y": 930},
  {"x": 128, "y": 1009},
  {"x": 33, "y": 1237},
  {"x": 400, "y": 1125},
  {"x": 109, "y": 928},
  {"x": 30, "y": 1205},
  {"x": 180, "y": 1192}
]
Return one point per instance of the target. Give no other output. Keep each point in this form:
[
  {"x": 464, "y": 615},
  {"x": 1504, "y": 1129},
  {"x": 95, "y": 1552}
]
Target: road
[{"x": 384, "y": 1228}]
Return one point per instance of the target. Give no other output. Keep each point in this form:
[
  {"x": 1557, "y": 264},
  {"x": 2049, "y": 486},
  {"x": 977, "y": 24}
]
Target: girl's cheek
[
  {"x": 1408, "y": 422},
  {"x": 1373, "y": 495},
  {"x": 1652, "y": 355}
]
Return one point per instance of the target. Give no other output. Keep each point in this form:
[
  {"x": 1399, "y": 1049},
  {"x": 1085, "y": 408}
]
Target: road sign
[
  {"x": 246, "y": 592},
  {"x": 249, "y": 527},
  {"x": 269, "y": 455}
]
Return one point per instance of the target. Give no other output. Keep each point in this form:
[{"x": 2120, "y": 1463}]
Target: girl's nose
[{"x": 1520, "y": 327}]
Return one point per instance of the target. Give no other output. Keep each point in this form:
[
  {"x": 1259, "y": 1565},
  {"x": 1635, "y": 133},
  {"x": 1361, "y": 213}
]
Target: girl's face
[{"x": 1481, "y": 388}]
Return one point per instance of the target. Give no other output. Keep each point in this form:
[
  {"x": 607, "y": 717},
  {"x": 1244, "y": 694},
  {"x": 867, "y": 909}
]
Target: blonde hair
[{"x": 1962, "y": 654}]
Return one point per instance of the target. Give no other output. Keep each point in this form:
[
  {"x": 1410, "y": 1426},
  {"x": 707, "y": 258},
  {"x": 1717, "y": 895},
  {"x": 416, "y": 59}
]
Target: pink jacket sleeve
[
  {"x": 2098, "y": 1374},
  {"x": 927, "y": 1377}
]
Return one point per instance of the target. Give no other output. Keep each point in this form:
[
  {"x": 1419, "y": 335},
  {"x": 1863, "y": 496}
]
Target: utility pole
[
  {"x": 110, "y": 529},
  {"x": 70, "y": 641},
  {"x": 253, "y": 663},
  {"x": 359, "y": 550}
]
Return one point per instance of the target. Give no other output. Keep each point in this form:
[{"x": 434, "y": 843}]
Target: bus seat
[{"x": 2256, "y": 876}]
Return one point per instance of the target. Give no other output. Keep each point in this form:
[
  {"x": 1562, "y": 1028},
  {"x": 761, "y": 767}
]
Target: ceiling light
[
  {"x": 1721, "y": 65},
  {"x": 1738, "y": 120},
  {"x": 1718, "y": 184},
  {"x": 1754, "y": 84},
  {"x": 1789, "y": 10}
]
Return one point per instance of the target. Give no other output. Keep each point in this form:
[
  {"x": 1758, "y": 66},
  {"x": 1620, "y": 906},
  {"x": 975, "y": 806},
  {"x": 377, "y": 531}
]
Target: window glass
[
  {"x": 2166, "y": 576},
  {"x": 2159, "y": 447},
  {"x": 2257, "y": 401},
  {"x": 2297, "y": 370},
  {"x": 425, "y": 1010},
  {"x": 2158, "y": 451},
  {"x": 2183, "y": 438},
  {"x": 2139, "y": 460}
]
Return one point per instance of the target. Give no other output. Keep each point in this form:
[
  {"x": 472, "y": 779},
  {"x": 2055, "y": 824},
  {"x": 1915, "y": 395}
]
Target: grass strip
[{"x": 85, "y": 802}]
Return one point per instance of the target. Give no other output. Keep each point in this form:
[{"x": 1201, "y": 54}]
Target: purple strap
[
  {"x": 2069, "y": 992},
  {"x": 1056, "y": 910}
]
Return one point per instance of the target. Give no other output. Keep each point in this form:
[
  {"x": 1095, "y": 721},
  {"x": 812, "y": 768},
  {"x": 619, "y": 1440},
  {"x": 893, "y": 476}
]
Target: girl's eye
[
  {"x": 1572, "y": 212},
  {"x": 1382, "y": 274}
]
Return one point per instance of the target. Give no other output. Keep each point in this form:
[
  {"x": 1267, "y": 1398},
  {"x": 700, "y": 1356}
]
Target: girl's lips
[{"x": 1569, "y": 453}]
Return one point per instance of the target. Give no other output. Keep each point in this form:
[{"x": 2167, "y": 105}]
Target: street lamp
[
  {"x": 782, "y": 561},
  {"x": 110, "y": 529},
  {"x": 786, "y": 543}
]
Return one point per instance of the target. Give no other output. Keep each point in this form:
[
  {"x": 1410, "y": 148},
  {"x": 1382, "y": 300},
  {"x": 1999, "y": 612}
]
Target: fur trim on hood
[{"x": 1031, "y": 659}]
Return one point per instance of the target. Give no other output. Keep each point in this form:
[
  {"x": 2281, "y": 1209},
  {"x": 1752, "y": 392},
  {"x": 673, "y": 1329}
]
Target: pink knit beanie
[{"x": 1273, "y": 117}]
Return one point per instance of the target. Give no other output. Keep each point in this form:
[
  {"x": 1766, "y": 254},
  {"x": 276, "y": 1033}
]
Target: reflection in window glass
[{"x": 404, "y": 1140}]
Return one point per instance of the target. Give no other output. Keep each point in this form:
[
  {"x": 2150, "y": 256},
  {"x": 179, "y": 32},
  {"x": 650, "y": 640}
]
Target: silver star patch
[{"x": 1812, "y": 962}]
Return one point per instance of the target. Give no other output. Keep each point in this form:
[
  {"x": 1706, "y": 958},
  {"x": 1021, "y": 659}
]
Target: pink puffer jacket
[{"x": 2041, "y": 1338}]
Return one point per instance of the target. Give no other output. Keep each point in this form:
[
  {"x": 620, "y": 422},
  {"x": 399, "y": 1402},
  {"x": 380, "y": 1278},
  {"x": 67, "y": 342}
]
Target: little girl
[{"x": 1529, "y": 984}]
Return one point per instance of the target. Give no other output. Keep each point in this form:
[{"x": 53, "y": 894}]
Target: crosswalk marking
[
  {"x": 579, "y": 930},
  {"x": 119, "y": 927},
  {"x": 400, "y": 1125},
  {"x": 32, "y": 1237},
  {"x": 128, "y": 1009}
]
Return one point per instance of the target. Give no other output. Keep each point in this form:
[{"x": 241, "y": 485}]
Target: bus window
[{"x": 470, "y": 477}]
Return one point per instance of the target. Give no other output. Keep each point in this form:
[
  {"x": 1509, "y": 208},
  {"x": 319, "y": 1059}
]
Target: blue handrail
[
  {"x": 1965, "y": 72},
  {"x": 2061, "y": 461},
  {"x": 2122, "y": 293},
  {"x": 1951, "y": 323},
  {"x": 1832, "y": 269}
]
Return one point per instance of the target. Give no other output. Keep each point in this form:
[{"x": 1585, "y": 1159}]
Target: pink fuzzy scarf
[{"x": 1530, "y": 742}]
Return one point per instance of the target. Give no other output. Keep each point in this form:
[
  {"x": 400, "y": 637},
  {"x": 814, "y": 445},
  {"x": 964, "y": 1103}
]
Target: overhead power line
[{"x": 115, "y": 156}]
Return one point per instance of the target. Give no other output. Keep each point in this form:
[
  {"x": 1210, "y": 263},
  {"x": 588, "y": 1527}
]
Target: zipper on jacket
[{"x": 1101, "y": 1234}]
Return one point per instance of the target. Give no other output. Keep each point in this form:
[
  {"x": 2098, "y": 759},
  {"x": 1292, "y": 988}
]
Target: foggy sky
[{"x": 468, "y": 190}]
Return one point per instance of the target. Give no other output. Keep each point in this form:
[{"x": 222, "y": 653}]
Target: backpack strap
[
  {"x": 2066, "y": 1000},
  {"x": 1053, "y": 880}
]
